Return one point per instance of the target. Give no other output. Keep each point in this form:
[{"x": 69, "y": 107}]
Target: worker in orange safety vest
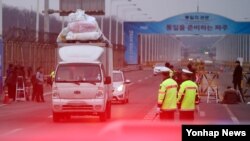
[
  {"x": 187, "y": 96},
  {"x": 167, "y": 96}
]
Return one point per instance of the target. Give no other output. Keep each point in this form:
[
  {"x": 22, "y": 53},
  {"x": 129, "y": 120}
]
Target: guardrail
[{"x": 131, "y": 68}]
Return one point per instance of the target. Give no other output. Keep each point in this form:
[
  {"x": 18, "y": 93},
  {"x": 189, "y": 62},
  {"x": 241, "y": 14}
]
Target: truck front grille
[{"x": 77, "y": 107}]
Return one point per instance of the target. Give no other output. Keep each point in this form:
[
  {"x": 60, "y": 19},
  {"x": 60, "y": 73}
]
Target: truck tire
[
  {"x": 123, "y": 101},
  {"x": 109, "y": 110},
  {"x": 106, "y": 114},
  {"x": 103, "y": 116},
  {"x": 56, "y": 117},
  {"x": 127, "y": 100}
]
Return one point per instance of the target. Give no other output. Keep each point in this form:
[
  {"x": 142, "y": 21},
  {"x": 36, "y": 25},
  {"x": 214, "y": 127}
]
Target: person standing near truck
[{"x": 39, "y": 85}]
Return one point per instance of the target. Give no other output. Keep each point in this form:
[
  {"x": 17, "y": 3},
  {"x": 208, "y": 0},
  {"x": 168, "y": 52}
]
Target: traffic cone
[{"x": 6, "y": 98}]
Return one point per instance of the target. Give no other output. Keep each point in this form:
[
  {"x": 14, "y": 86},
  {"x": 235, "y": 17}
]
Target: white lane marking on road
[
  {"x": 12, "y": 132},
  {"x": 232, "y": 116}
]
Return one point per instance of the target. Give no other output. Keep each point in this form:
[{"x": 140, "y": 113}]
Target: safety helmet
[
  {"x": 165, "y": 69},
  {"x": 186, "y": 71}
]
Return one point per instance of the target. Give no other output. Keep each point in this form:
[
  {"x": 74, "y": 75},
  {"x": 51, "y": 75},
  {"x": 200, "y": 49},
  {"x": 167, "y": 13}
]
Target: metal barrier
[
  {"x": 212, "y": 94},
  {"x": 245, "y": 85},
  {"x": 207, "y": 82}
]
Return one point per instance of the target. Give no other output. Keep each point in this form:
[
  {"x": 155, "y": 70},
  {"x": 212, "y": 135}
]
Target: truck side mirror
[{"x": 107, "y": 80}]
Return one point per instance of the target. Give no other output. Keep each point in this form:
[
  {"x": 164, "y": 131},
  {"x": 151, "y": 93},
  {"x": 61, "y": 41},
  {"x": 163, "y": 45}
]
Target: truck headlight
[
  {"x": 120, "y": 88},
  {"x": 100, "y": 93},
  {"x": 55, "y": 93}
]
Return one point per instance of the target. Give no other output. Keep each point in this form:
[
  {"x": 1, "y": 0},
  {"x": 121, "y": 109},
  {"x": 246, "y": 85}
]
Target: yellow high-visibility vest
[
  {"x": 52, "y": 74},
  {"x": 167, "y": 95},
  {"x": 187, "y": 95}
]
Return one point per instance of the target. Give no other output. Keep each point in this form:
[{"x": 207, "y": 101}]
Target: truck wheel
[
  {"x": 109, "y": 110},
  {"x": 123, "y": 101},
  {"x": 56, "y": 117},
  {"x": 127, "y": 100},
  {"x": 67, "y": 117},
  {"x": 103, "y": 116}
]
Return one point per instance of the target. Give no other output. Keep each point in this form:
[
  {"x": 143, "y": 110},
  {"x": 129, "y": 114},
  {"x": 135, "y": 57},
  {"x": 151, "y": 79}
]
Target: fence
[{"x": 22, "y": 48}]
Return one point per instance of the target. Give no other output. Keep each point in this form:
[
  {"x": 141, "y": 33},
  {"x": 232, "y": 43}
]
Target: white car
[
  {"x": 158, "y": 67},
  {"x": 120, "y": 86}
]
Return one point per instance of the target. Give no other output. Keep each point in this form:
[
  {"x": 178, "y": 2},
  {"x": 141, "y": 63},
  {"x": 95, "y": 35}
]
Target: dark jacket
[
  {"x": 11, "y": 78},
  {"x": 237, "y": 74}
]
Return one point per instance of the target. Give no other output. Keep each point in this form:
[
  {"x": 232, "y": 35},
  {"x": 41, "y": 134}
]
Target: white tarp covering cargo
[
  {"x": 83, "y": 36},
  {"x": 80, "y": 53},
  {"x": 81, "y": 27}
]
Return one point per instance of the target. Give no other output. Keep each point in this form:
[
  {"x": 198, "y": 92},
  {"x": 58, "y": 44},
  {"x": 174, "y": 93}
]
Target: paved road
[{"x": 33, "y": 121}]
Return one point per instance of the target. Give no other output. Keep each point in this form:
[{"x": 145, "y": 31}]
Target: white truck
[{"x": 82, "y": 83}]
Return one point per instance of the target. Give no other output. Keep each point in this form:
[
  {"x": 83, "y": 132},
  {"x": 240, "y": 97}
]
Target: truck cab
[{"x": 82, "y": 84}]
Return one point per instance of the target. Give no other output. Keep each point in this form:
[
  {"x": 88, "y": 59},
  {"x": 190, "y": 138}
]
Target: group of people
[
  {"x": 179, "y": 90},
  {"x": 17, "y": 76},
  {"x": 234, "y": 95},
  {"x": 182, "y": 95}
]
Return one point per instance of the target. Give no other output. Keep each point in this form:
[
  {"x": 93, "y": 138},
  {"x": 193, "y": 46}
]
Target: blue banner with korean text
[{"x": 185, "y": 24}]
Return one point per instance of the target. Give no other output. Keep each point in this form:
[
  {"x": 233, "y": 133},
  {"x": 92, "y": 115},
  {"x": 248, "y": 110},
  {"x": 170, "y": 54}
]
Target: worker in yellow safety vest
[
  {"x": 167, "y": 96},
  {"x": 51, "y": 78},
  {"x": 187, "y": 96},
  {"x": 52, "y": 75}
]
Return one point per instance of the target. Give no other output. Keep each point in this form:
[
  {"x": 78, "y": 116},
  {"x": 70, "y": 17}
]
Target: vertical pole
[
  {"x": 122, "y": 32},
  {"x": 110, "y": 26},
  {"x": 1, "y": 48},
  {"x": 63, "y": 22},
  {"x": 102, "y": 23},
  {"x": 110, "y": 20},
  {"x": 37, "y": 20},
  {"x": 1, "y": 18},
  {"x": 46, "y": 18},
  {"x": 116, "y": 26}
]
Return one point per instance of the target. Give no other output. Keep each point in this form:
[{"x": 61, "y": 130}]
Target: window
[{"x": 78, "y": 72}]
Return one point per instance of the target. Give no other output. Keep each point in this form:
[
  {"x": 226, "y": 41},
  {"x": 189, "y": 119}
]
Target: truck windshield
[{"x": 78, "y": 72}]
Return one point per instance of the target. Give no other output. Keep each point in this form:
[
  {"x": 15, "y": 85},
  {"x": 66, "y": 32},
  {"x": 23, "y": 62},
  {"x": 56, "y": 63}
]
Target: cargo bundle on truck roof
[{"x": 82, "y": 28}]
